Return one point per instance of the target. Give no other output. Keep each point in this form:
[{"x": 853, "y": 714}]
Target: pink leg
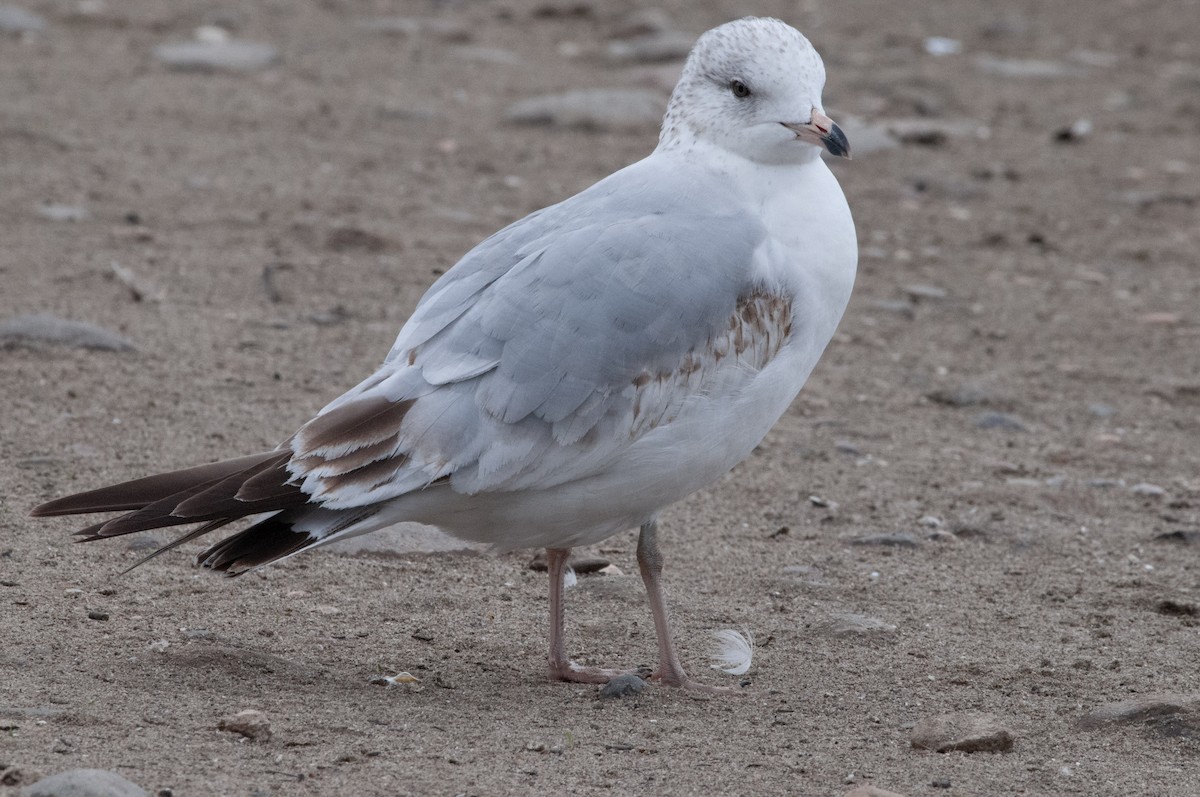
[
  {"x": 561, "y": 667},
  {"x": 670, "y": 670}
]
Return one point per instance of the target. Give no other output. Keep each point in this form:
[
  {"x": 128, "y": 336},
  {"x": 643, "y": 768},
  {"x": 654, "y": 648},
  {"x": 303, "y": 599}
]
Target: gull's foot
[
  {"x": 578, "y": 673},
  {"x": 679, "y": 679}
]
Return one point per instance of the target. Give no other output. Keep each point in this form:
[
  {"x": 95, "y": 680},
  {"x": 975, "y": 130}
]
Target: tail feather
[
  {"x": 141, "y": 492},
  {"x": 213, "y": 495}
]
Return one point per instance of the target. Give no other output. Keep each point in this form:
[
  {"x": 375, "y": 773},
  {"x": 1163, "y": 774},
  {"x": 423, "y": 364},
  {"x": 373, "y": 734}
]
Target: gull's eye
[{"x": 739, "y": 89}]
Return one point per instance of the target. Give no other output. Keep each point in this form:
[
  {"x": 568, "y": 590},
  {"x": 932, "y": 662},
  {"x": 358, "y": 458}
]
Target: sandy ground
[{"x": 1020, "y": 354}]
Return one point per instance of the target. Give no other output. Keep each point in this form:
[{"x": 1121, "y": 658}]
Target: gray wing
[{"x": 552, "y": 346}]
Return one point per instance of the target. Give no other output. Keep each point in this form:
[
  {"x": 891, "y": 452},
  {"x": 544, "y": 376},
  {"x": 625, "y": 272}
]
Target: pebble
[
  {"x": 447, "y": 30},
  {"x": 965, "y": 732},
  {"x": 940, "y": 45},
  {"x": 592, "y": 109},
  {"x": 900, "y": 539},
  {"x": 642, "y": 22},
  {"x": 46, "y": 328},
  {"x": 18, "y": 20},
  {"x": 933, "y": 132},
  {"x": 1144, "y": 709},
  {"x": 666, "y": 45},
  {"x": 921, "y": 291},
  {"x": 59, "y": 212},
  {"x": 872, "y": 791},
  {"x": 207, "y": 56},
  {"x": 961, "y": 396},
  {"x": 84, "y": 783},
  {"x": 1184, "y": 536},
  {"x": 622, "y": 686},
  {"x": 485, "y": 55},
  {"x": 1148, "y": 490},
  {"x": 900, "y": 307},
  {"x": 250, "y": 723},
  {"x": 1025, "y": 67},
  {"x": 851, "y": 625},
  {"x": 1000, "y": 420}
]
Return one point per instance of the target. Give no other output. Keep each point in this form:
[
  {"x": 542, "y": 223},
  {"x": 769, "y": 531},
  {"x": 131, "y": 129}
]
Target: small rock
[
  {"x": 1148, "y": 490},
  {"x": 666, "y": 45},
  {"x": 485, "y": 55},
  {"x": 900, "y": 307},
  {"x": 1000, "y": 420},
  {"x": 1148, "y": 709},
  {"x": 84, "y": 783},
  {"x": 593, "y": 109},
  {"x": 1075, "y": 132},
  {"x": 212, "y": 56},
  {"x": 18, "y": 20},
  {"x": 850, "y": 625},
  {"x": 1184, "y": 536},
  {"x": 940, "y": 45},
  {"x": 622, "y": 686},
  {"x": 1025, "y": 67},
  {"x": 872, "y": 791},
  {"x": 1174, "y": 608},
  {"x": 961, "y": 396},
  {"x": 1101, "y": 410},
  {"x": 445, "y": 29},
  {"x": 250, "y": 723},
  {"x": 58, "y": 212},
  {"x": 965, "y": 732},
  {"x": 918, "y": 291},
  {"x": 897, "y": 540},
  {"x": 932, "y": 132},
  {"x": 45, "y": 328},
  {"x": 98, "y": 615},
  {"x": 643, "y": 22},
  {"x": 342, "y": 239}
]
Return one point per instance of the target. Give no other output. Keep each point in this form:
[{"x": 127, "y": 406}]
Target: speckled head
[{"x": 753, "y": 87}]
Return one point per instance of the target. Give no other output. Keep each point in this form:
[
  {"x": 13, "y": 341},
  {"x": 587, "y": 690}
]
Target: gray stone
[
  {"x": 1146, "y": 709},
  {"x": 919, "y": 290},
  {"x": 931, "y": 131},
  {"x": 871, "y": 791},
  {"x": 592, "y": 109},
  {"x": 848, "y": 624},
  {"x": 57, "y": 212},
  {"x": 666, "y": 45},
  {"x": 84, "y": 783},
  {"x": 45, "y": 328},
  {"x": 229, "y": 56},
  {"x": 1025, "y": 67},
  {"x": 896, "y": 540},
  {"x": 1147, "y": 490},
  {"x": 1000, "y": 420},
  {"x": 624, "y": 685},
  {"x": 445, "y": 29},
  {"x": 964, "y": 732},
  {"x": 18, "y": 20},
  {"x": 250, "y": 723},
  {"x": 965, "y": 395}
]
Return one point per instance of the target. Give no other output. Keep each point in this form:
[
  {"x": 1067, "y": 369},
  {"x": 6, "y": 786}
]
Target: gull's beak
[{"x": 822, "y": 132}]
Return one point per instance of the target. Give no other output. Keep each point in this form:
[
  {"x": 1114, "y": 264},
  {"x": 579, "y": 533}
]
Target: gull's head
[{"x": 753, "y": 87}]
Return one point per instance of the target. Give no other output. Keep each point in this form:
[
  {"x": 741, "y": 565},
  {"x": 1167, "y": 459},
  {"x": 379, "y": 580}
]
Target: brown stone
[{"x": 965, "y": 732}]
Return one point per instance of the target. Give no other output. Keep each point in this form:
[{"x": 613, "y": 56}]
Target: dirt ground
[{"x": 1013, "y": 397}]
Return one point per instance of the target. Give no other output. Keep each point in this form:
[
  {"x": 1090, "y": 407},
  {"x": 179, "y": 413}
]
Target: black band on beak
[{"x": 835, "y": 141}]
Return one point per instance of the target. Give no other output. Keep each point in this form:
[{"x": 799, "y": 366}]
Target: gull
[{"x": 584, "y": 367}]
